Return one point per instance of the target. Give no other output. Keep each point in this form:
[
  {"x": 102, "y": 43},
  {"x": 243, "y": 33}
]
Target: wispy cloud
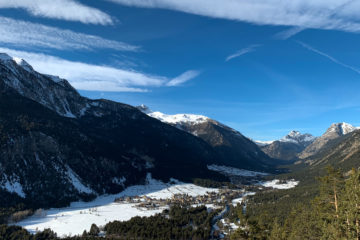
[
  {"x": 329, "y": 57},
  {"x": 84, "y": 76},
  {"x": 60, "y": 9},
  {"x": 297, "y": 13},
  {"x": 289, "y": 33},
  {"x": 26, "y": 34},
  {"x": 326, "y": 13},
  {"x": 243, "y": 51},
  {"x": 186, "y": 76}
]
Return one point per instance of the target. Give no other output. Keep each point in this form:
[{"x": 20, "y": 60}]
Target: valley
[
  {"x": 113, "y": 166},
  {"x": 144, "y": 201}
]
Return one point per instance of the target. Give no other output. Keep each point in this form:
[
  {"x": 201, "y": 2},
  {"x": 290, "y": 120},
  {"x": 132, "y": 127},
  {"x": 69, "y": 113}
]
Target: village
[{"x": 217, "y": 198}]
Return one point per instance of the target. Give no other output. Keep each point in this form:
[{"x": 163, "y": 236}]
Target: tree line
[{"x": 333, "y": 214}]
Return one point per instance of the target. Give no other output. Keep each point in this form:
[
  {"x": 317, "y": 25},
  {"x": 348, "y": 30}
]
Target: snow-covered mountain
[
  {"x": 176, "y": 119},
  {"x": 297, "y": 137},
  {"x": 289, "y": 146},
  {"x": 263, "y": 143},
  {"x": 236, "y": 149},
  {"x": 335, "y": 131},
  {"x": 57, "y": 146}
]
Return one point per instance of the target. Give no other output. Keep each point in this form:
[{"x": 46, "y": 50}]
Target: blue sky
[{"x": 262, "y": 67}]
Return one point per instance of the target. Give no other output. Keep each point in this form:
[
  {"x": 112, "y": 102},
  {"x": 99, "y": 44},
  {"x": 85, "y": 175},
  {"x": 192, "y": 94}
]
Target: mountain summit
[
  {"x": 57, "y": 146},
  {"x": 234, "y": 149},
  {"x": 297, "y": 137},
  {"x": 335, "y": 131},
  {"x": 289, "y": 146}
]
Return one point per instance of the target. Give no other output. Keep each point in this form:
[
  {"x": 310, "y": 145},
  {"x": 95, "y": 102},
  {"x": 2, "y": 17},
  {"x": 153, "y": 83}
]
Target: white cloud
[
  {"x": 328, "y": 57},
  {"x": 60, "y": 9},
  {"x": 91, "y": 77},
  {"x": 186, "y": 76},
  {"x": 243, "y": 51},
  {"x": 26, "y": 34},
  {"x": 320, "y": 14}
]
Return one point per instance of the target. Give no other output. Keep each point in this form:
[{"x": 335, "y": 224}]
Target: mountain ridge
[
  {"x": 58, "y": 147},
  {"x": 288, "y": 146},
  {"x": 229, "y": 143},
  {"x": 336, "y": 130}
]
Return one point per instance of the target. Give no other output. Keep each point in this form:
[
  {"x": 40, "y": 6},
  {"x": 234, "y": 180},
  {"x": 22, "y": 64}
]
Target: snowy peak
[
  {"x": 297, "y": 137},
  {"x": 179, "y": 118},
  {"x": 5, "y": 58},
  {"x": 335, "y": 131},
  {"x": 50, "y": 91},
  {"x": 292, "y": 137},
  {"x": 22, "y": 63},
  {"x": 340, "y": 129},
  {"x": 174, "y": 119}
]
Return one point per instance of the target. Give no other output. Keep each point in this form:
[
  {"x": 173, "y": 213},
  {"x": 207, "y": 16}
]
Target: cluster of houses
[{"x": 220, "y": 198}]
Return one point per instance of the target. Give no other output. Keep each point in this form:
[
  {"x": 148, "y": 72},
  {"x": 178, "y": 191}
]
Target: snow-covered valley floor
[{"x": 79, "y": 216}]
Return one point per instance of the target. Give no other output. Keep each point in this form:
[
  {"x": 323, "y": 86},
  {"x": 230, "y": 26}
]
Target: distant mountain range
[
  {"x": 234, "y": 149},
  {"x": 335, "y": 131},
  {"x": 288, "y": 147},
  {"x": 295, "y": 145},
  {"x": 57, "y": 146}
]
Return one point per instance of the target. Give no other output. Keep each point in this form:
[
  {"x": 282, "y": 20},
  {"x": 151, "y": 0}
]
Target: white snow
[
  {"x": 344, "y": 127},
  {"x": 174, "y": 119},
  {"x": 80, "y": 215},
  {"x": 263, "y": 143},
  {"x": 231, "y": 171},
  {"x": 77, "y": 218},
  {"x": 76, "y": 182},
  {"x": 22, "y": 63},
  {"x": 241, "y": 199},
  {"x": 278, "y": 185},
  {"x": 13, "y": 185},
  {"x": 159, "y": 190},
  {"x": 297, "y": 137},
  {"x": 179, "y": 118}
]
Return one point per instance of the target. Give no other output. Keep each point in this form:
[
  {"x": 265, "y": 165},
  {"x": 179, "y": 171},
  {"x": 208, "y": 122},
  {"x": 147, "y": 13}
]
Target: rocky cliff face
[
  {"x": 289, "y": 146},
  {"x": 343, "y": 152},
  {"x": 335, "y": 131}
]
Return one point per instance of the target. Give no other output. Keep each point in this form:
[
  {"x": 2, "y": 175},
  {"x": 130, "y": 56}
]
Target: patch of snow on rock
[
  {"x": 13, "y": 185},
  {"x": 75, "y": 180},
  {"x": 22, "y": 63}
]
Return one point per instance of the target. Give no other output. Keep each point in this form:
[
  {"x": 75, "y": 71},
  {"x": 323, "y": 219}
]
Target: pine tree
[
  {"x": 327, "y": 204},
  {"x": 350, "y": 208}
]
